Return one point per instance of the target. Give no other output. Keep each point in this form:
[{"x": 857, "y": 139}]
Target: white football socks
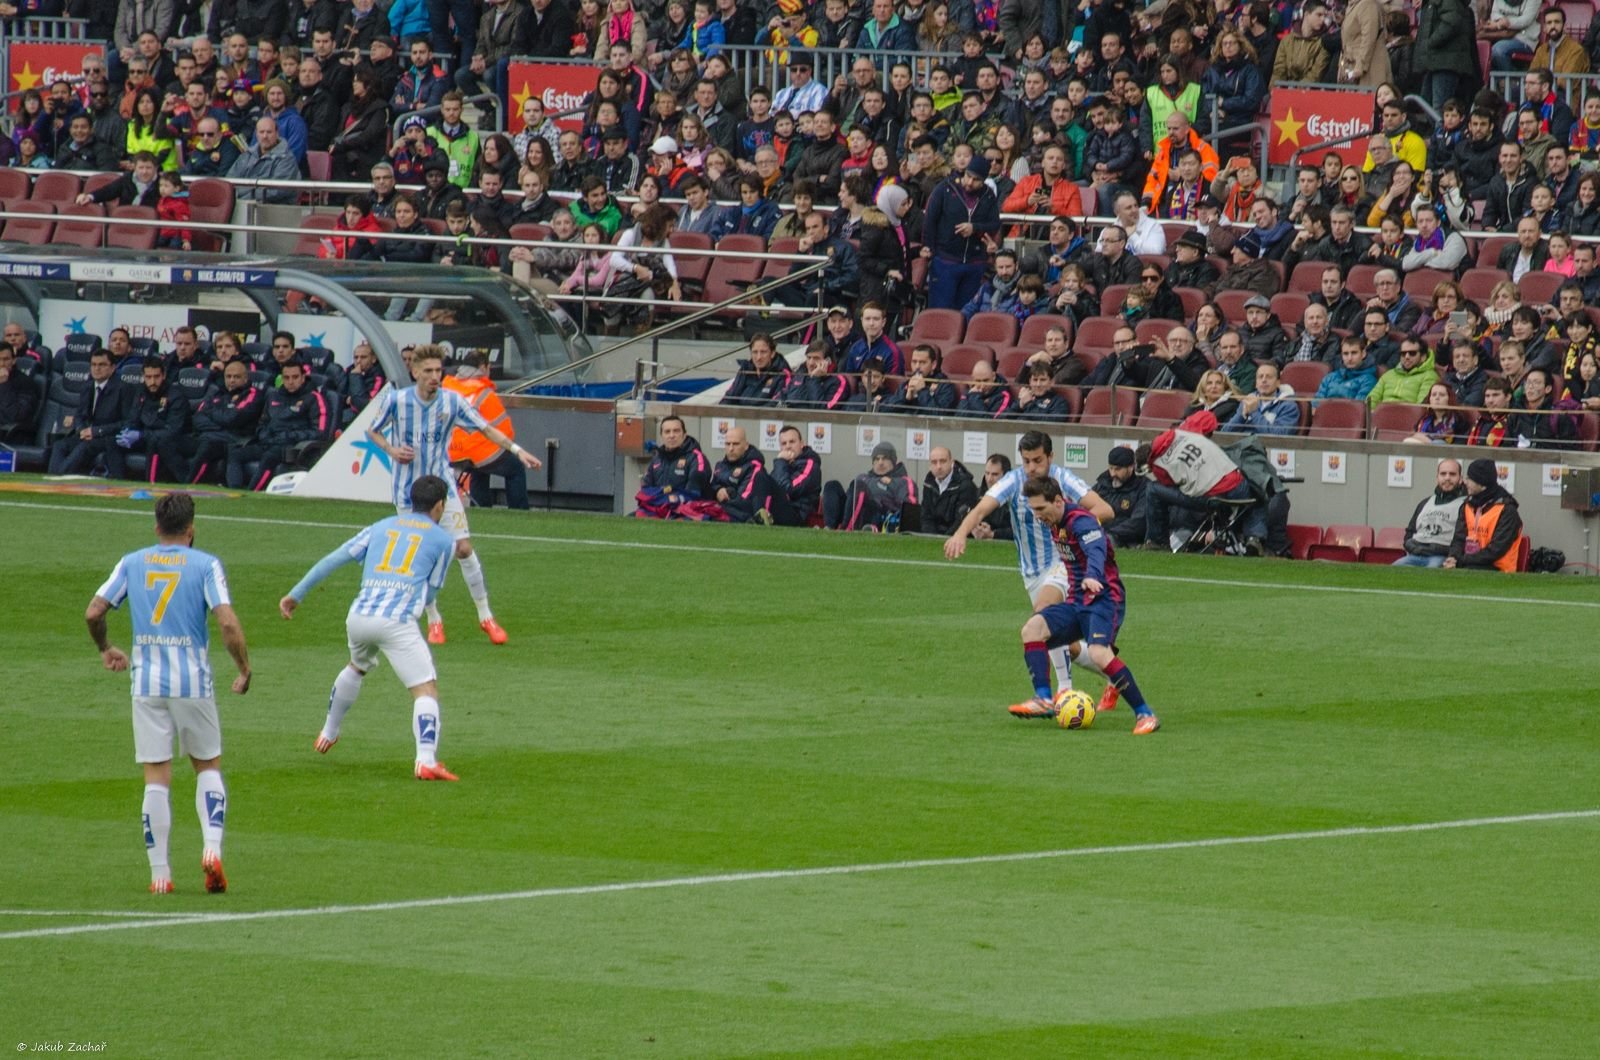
[
  {"x": 433, "y": 613},
  {"x": 1081, "y": 657},
  {"x": 157, "y": 827},
  {"x": 425, "y": 727},
  {"x": 211, "y": 803},
  {"x": 1063, "y": 667},
  {"x": 346, "y": 687},
  {"x": 472, "y": 574}
]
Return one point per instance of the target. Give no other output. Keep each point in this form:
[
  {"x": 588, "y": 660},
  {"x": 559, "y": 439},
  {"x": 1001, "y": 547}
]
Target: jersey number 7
[{"x": 168, "y": 581}]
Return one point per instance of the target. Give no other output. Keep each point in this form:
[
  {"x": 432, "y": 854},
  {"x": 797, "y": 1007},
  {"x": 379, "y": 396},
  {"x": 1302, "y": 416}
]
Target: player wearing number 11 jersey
[{"x": 404, "y": 560}]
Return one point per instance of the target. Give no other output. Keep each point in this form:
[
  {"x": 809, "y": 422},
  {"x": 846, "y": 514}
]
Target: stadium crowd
[{"x": 1259, "y": 304}]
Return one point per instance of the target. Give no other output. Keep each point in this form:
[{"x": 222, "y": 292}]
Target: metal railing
[
  {"x": 433, "y": 112},
  {"x": 654, "y": 335},
  {"x": 642, "y": 386},
  {"x": 1575, "y": 88}
]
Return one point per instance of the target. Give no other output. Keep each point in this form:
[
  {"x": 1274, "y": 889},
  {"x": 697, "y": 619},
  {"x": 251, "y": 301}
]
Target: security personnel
[
  {"x": 1489, "y": 528},
  {"x": 471, "y": 380}
]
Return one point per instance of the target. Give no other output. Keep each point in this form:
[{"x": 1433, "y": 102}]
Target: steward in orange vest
[
  {"x": 1489, "y": 528},
  {"x": 471, "y": 381}
]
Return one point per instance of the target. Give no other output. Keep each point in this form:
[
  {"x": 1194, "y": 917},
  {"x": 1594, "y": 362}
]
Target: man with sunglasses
[
  {"x": 110, "y": 128},
  {"x": 1164, "y": 302},
  {"x": 213, "y": 154}
]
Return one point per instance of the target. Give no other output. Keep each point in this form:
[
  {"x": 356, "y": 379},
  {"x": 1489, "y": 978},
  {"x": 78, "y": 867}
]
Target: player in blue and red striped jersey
[
  {"x": 1092, "y": 610},
  {"x": 170, "y": 587}
]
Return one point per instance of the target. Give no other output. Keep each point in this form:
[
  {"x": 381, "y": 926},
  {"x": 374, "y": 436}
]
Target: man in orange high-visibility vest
[
  {"x": 471, "y": 381},
  {"x": 1489, "y": 527}
]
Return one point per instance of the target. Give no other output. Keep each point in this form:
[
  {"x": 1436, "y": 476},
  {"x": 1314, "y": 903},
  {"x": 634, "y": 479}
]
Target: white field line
[
  {"x": 886, "y": 561},
  {"x": 679, "y": 882},
  {"x": 92, "y": 913}
]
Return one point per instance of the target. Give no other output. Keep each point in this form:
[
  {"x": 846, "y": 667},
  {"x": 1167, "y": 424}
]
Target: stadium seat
[
  {"x": 75, "y": 229},
  {"x": 1111, "y": 298},
  {"x": 937, "y": 325},
  {"x": 57, "y": 186},
  {"x": 1307, "y": 277},
  {"x": 144, "y": 346},
  {"x": 1387, "y": 546},
  {"x": 1420, "y": 283},
  {"x": 530, "y": 232},
  {"x": 194, "y": 381},
  {"x": 1034, "y": 328},
  {"x": 77, "y": 346},
  {"x": 1339, "y": 418},
  {"x": 1232, "y": 304},
  {"x": 434, "y": 225},
  {"x": 1360, "y": 280},
  {"x": 1477, "y": 283},
  {"x": 730, "y": 276},
  {"x": 1099, "y": 411},
  {"x": 1539, "y": 288},
  {"x": 991, "y": 329},
  {"x": 1148, "y": 331},
  {"x": 1162, "y": 408},
  {"x": 1011, "y": 363},
  {"x": 319, "y": 165},
  {"x": 1193, "y": 298},
  {"x": 1074, "y": 398},
  {"x": 1588, "y": 431},
  {"x": 773, "y": 268},
  {"x": 211, "y": 201},
  {"x": 1524, "y": 551},
  {"x": 261, "y": 379},
  {"x": 14, "y": 184},
  {"x": 1341, "y": 543},
  {"x": 1304, "y": 376},
  {"x": 313, "y": 225},
  {"x": 33, "y": 231},
  {"x": 1489, "y": 250},
  {"x": 1094, "y": 334},
  {"x": 317, "y": 359},
  {"x": 133, "y": 237},
  {"x": 692, "y": 271},
  {"x": 95, "y": 181},
  {"x": 1290, "y": 306},
  {"x": 959, "y": 360},
  {"x": 131, "y": 374},
  {"x": 1393, "y": 421}
]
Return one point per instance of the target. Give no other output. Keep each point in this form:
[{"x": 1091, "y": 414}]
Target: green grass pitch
[{"x": 729, "y": 700}]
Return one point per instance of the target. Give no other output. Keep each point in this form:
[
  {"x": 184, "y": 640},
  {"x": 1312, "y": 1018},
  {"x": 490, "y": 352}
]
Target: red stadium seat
[
  {"x": 1420, "y": 284},
  {"x": 95, "y": 181},
  {"x": 1307, "y": 277},
  {"x": 211, "y": 201},
  {"x": 1304, "y": 376},
  {"x": 731, "y": 276},
  {"x": 1341, "y": 543},
  {"x": 1539, "y": 288},
  {"x": 1034, "y": 328},
  {"x": 1111, "y": 298},
  {"x": 1290, "y": 306},
  {"x": 14, "y": 184},
  {"x": 1489, "y": 250},
  {"x": 692, "y": 271},
  {"x": 133, "y": 237},
  {"x": 529, "y": 232},
  {"x": 938, "y": 325},
  {"x": 991, "y": 329},
  {"x": 1388, "y": 546},
  {"x": 959, "y": 360},
  {"x": 1010, "y": 363},
  {"x": 1232, "y": 304},
  {"x": 313, "y": 225},
  {"x": 34, "y": 230},
  {"x": 1394, "y": 421},
  {"x": 1193, "y": 298},
  {"x": 1524, "y": 551},
  {"x": 1098, "y": 409},
  {"x": 71, "y": 232},
  {"x": 776, "y": 267},
  {"x": 1094, "y": 334},
  {"x": 59, "y": 186},
  {"x": 1162, "y": 408},
  {"x": 1301, "y": 538},
  {"x": 1360, "y": 280},
  {"x": 1148, "y": 331},
  {"x": 1339, "y": 418},
  {"x": 1476, "y": 284},
  {"x": 1588, "y": 431}
]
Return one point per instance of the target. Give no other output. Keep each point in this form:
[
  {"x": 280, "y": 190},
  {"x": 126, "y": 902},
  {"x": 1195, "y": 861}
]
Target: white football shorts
[
  {"x": 1054, "y": 578},
  {"x": 400, "y": 642},
  {"x": 454, "y": 518},
  {"x": 193, "y": 719}
]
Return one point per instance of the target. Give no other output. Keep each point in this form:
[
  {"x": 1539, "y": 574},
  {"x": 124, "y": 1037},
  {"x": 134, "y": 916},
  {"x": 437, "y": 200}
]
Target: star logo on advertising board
[
  {"x": 1288, "y": 128},
  {"x": 25, "y": 78}
]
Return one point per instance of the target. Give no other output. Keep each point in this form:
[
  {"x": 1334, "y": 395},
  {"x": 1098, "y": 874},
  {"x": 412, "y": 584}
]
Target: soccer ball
[{"x": 1075, "y": 709}]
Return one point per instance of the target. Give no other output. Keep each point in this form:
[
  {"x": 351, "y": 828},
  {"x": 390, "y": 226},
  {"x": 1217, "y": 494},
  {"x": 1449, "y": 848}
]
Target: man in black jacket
[
  {"x": 1345, "y": 308},
  {"x": 740, "y": 482},
  {"x": 83, "y": 151},
  {"x": 1341, "y": 244},
  {"x": 987, "y": 395},
  {"x": 317, "y": 105},
  {"x": 927, "y": 390},
  {"x": 818, "y": 160},
  {"x": 137, "y": 188},
  {"x": 798, "y": 470},
  {"x": 223, "y": 419},
  {"x": 547, "y": 30},
  {"x": 19, "y": 399},
  {"x": 158, "y": 413},
  {"x": 360, "y": 384},
  {"x": 1477, "y": 154},
  {"x": 1507, "y": 198},
  {"x": 295, "y": 412},
  {"x": 101, "y": 412},
  {"x": 1123, "y": 489},
  {"x": 948, "y": 493},
  {"x": 678, "y": 466},
  {"x": 760, "y": 379}
]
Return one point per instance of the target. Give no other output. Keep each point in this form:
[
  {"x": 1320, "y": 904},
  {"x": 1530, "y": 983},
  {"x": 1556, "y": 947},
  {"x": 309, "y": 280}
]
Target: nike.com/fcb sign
[{"x": 1305, "y": 116}]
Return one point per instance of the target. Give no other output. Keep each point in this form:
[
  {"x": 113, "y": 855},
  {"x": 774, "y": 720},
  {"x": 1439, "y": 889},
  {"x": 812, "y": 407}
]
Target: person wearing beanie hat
[
  {"x": 1489, "y": 529},
  {"x": 1121, "y": 486},
  {"x": 1250, "y": 270},
  {"x": 881, "y": 499},
  {"x": 961, "y": 212}
]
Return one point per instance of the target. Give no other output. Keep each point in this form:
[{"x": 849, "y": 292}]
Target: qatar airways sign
[
  {"x": 559, "y": 86},
  {"x": 1302, "y": 117}
]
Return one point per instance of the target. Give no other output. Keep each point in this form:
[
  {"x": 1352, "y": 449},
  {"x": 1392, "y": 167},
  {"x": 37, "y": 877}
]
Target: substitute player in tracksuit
[
  {"x": 1092, "y": 611},
  {"x": 295, "y": 412}
]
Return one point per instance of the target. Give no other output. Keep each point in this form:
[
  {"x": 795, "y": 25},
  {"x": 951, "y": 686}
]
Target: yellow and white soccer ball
[{"x": 1075, "y": 709}]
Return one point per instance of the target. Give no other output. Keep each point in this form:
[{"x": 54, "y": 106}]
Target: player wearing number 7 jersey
[
  {"x": 404, "y": 559},
  {"x": 421, "y": 420},
  {"x": 169, "y": 589}
]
